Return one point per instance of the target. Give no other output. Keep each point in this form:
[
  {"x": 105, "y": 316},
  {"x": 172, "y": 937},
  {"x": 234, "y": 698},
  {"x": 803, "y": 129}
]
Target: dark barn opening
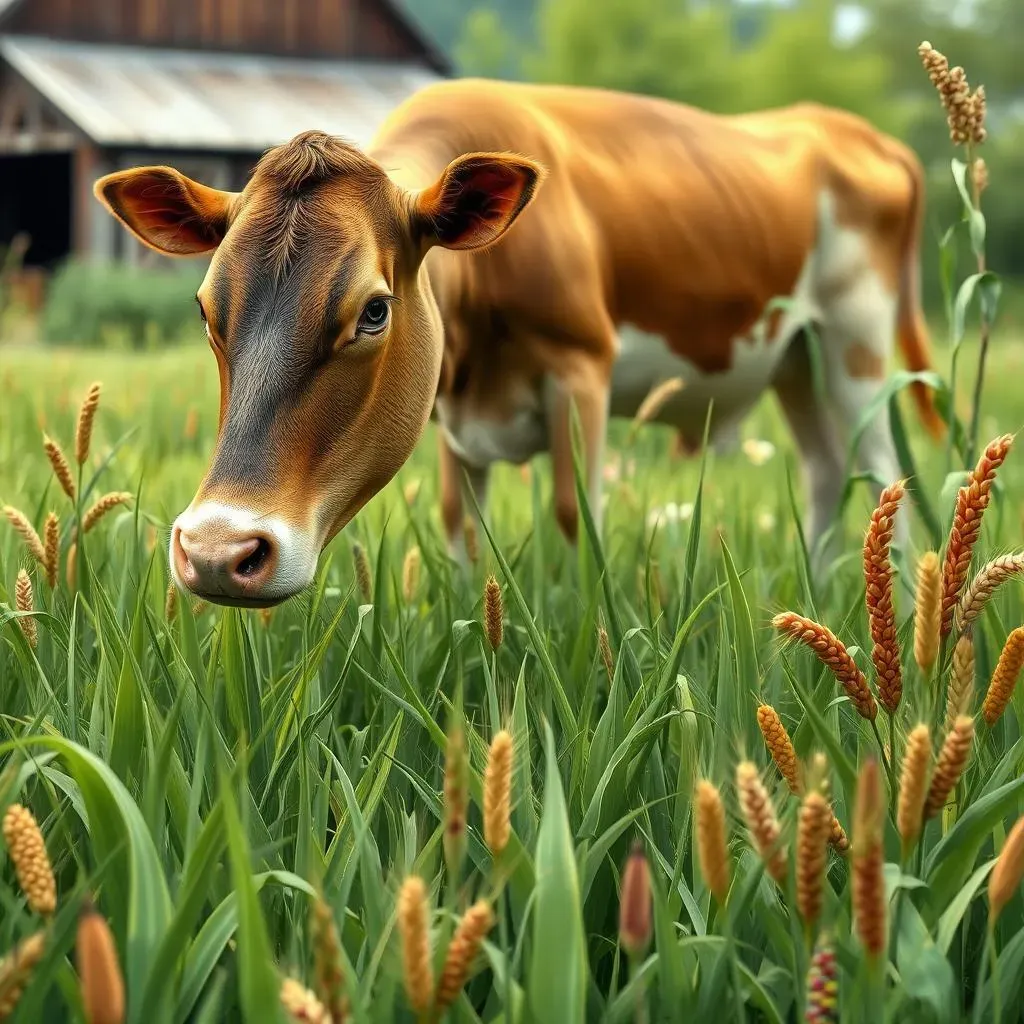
[{"x": 35, "y": 199}]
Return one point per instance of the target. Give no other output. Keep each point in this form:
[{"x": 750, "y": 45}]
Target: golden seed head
[
  {"x": 71, "y": 565},
  {"x": 927, "y": 610},
  {"x": 411, "y": 574},
  {"x": 364, "y": 579},
  {"x": 979, "y": 171},
  {"x": 456, "y": 799},
  {"x": 604, "y": 648},
  {"x": 960, "y": 692},
  {"x": 191, "y": 428},
  {"x": 813, "y": 830},
  {"x": 265, "y": 614},
  {"x": 472, "y": 543},
  {"x": 991, "y": 576},
  {"x": 493, "y": 612},
  {"x": 498, "y": 792},
  {"x": 869, "y": 908},
  {"x": 1007, "y": 874},
  {"x": 950, "y": 764},
  {"x": 837, "y": 837},
  {"x": 914, "y": 786},
  {"x": 462, "y": 951},
  {"x": 762, "y": 823},
  {"x": 635, "y": 926},
  {"x": 711, "y": 840},
  {"x": 1004, "y": 678},
  {"x": 831, "y": 651},
  {"x": 61, "y": 469},
  {"x": 27, "y": 532},
  {"x": 885, "y": 651},
  {"x": 16, "y": 971},
  {"x": 413, "y": 926},
  {"x": 171, "y": 602},
  {"x": 51, "y": 548},
  {"x": 86, "y": 416},
  {"x": 302, "y": 1005},
  {"x": 23, "y": 601},
  {"x": 103, "y": 506},
  {"x": 99, "y": 973},
  {"x": 655, "y": 401},
  {"x": 971, "y": 501},
  {"x": 31, "y": 863},
  {"x": 330, "y": 979},
  {"x": 780, "y": 746}
]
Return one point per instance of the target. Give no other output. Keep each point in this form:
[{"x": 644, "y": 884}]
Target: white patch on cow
[{"x": 644, "y": 361}]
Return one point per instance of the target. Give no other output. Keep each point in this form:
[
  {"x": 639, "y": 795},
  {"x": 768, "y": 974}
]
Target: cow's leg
[
  {"x": 856, "y": 344},
  {"x": 587, "y": 387},
  {"x": 820, "y": 450},
  {"x": 453, "y": 510}
]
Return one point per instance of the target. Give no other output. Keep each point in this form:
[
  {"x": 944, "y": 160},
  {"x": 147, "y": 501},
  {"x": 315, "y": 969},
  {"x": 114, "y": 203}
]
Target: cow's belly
[{"x": 645, "y": 361}]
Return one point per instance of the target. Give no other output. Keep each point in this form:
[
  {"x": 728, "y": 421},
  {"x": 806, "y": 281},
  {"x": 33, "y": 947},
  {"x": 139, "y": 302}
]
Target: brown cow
[{"x": 334, "y": 271}]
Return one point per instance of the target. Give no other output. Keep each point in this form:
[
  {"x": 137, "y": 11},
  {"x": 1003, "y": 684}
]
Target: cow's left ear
[{"x": 476, "y": 200}]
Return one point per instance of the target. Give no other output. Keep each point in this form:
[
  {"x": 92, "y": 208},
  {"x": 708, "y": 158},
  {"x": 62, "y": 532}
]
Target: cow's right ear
[{"x": 167, "y": 211}]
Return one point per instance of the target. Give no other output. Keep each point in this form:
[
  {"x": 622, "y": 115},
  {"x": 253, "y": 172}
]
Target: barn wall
[{"x": 360, "y": 29}]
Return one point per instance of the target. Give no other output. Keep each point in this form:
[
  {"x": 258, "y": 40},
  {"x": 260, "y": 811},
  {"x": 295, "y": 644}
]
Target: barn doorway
[{"x": 35, "y": 202}]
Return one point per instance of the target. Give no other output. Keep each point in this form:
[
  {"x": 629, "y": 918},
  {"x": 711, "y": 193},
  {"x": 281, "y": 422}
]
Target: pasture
[{"x": 203, "y": 774}]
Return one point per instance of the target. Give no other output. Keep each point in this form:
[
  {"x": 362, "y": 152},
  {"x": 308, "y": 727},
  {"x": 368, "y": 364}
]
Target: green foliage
[{"x": 120, "y": 306}]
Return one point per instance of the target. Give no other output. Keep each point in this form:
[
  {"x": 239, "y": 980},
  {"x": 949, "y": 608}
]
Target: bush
[{"x": 114, "y": 305}]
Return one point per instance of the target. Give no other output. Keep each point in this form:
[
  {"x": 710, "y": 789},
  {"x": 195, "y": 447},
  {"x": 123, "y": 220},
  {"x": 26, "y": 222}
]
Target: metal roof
[{"x": 179, "y": 99}]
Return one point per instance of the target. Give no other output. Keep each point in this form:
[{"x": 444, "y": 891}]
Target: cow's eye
[
  {"x": 202, "y": 312},
  {"x": 375, "y": 316}
]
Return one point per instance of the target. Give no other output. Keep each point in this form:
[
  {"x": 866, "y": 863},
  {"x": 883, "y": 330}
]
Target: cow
[{"x": 505, "y": 253}]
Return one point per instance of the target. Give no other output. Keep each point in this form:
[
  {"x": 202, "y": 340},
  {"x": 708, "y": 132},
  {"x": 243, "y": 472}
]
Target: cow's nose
[{"x": 216, "y": 561}]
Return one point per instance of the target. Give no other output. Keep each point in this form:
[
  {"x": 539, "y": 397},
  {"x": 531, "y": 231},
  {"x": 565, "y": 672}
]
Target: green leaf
[{"x": 557, "y": 980}]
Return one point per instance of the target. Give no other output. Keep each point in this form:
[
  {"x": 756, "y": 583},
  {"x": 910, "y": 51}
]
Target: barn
[{"x": 91, "y": 86}]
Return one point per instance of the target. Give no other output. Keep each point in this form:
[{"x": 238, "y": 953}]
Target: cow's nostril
[{"x": 255, "y": 560}]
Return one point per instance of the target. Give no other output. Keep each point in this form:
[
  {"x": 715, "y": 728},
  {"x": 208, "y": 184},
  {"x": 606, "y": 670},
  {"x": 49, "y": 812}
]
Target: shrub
[{"x": 114, "y": 305}]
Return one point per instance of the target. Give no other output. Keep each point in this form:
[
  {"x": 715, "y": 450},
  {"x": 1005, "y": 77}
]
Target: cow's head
[{"x": 327, "y": 338}]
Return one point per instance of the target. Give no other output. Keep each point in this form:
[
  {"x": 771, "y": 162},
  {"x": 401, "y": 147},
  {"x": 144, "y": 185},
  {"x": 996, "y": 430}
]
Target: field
[{"x": 204, "y": 775}]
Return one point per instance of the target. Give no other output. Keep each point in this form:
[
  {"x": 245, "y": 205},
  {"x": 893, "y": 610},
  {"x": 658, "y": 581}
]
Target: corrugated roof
[{"x": 178, "y": 99}]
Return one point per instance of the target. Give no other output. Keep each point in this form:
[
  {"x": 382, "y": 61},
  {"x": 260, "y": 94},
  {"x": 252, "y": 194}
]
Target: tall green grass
[
  {"x": 202, "y": 777},
  {"x": 203, "y": 773}
]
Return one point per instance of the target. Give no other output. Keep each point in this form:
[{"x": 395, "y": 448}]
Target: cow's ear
[
  {"x": 166, "y": 210},
  {"x": 476, "y": 200}
]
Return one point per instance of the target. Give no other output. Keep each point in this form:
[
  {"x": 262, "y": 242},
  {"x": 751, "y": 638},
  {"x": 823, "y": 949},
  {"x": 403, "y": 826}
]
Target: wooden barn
[{"x": 90, "y": 86}]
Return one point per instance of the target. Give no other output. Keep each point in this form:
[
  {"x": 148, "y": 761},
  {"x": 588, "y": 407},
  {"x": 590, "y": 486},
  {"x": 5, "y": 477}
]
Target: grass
[{"x": 201, "y": 778}]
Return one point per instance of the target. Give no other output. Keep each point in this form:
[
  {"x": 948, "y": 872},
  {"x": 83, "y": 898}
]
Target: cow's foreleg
[
  {"x": 453, "y": 508},
  {"x": 588, "y": 391}
]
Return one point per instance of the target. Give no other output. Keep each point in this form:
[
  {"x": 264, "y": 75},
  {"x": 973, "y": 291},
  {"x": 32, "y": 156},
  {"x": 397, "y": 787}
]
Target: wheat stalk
[
  {"x": 831, "y": 652},
  {"x": 869, "y": 862},
  {"x": 950, "y": 765},
  {"x": 913, "y": 786},
  {"x": 885, "y": 651},
  {"x": 26, "y": 531},
  {"x": 1004, "y": 678},
  {"x": 23, "y": 601},
  {"x": 712, "y": 849},
  {"x": 927, "y": 611},
  {"x": 86, "y": 417},
  {"x": 983, "y": 586},
  {"x": 971, "y": 501}
]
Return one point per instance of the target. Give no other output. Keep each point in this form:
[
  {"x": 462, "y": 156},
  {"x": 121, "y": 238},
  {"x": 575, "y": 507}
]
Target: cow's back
[{"x": 686, "y": 223}]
